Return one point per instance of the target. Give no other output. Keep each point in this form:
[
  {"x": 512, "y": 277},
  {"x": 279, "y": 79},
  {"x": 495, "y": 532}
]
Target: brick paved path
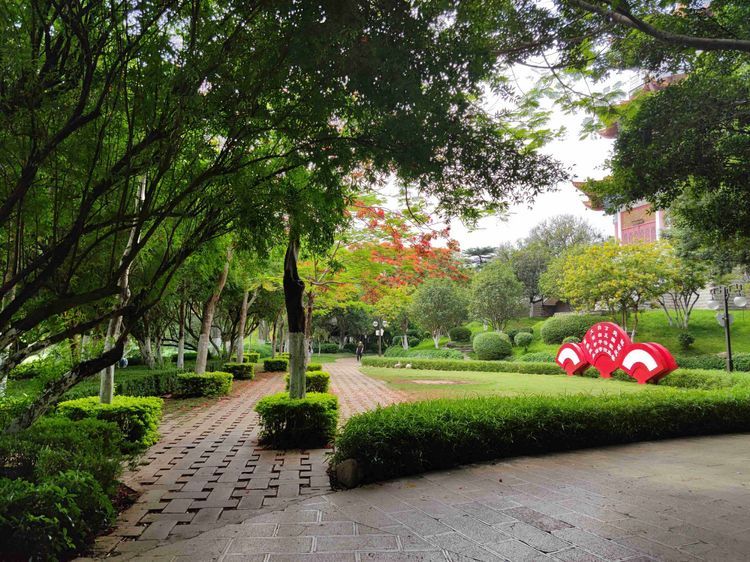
[
  {"x": 207, "y": 470},
  {"x": 357, "y": 392},
  {"x": 678, "y": 500}
]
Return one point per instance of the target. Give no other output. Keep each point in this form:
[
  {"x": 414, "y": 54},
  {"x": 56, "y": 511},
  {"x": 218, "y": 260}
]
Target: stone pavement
[
  {"x": 208, "y": 471},
  {"x": 678, "y": 500}
]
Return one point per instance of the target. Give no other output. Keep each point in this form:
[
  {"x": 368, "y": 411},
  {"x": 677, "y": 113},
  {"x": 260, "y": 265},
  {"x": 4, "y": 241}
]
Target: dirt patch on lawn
[{"x": 424, "y": 381}]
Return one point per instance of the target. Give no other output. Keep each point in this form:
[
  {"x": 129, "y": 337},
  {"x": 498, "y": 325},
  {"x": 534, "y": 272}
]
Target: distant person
[
  {"x": 360, "y": 351},
  {"x": 123, "y": 362}
]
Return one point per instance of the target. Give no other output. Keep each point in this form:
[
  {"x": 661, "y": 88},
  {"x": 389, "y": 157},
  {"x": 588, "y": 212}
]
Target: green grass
[{"x": 470, "y": 383}]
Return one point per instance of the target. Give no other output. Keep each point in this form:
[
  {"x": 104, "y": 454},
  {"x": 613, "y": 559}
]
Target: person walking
[{"x": 360, "y": 351}]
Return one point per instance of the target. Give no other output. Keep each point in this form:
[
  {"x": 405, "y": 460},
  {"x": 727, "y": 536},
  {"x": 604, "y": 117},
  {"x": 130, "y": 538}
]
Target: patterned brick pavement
[
  {"x": 678, "y": 500},
  {"x": 208, "y": 470}
]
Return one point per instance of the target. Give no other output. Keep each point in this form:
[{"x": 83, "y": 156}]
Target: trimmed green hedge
[
  {"x": 252, "y": 357},
  {"x": 314, "y": 367},
  {"x": 399, "y": 351},
  {"x": 208, "y": 384},
  {"x": 741, "y": 361},
  {"x": 327, "y": 348},
  {"x": 276, "y": 364},
  {"x": 288, "y": 423},
  {"x": 241, "y": 371},
  {"x": 53, "y": 519},
  {"x": 492, "y": 345},
  {"x": 411, "y": 438},
  {"x": 537, "y": 357},
  {"x": 468, "y": 365},
  {"x": 557, "y": 328},
  {"x": 137, "y": 417},
  {"x": 131, "y": 382},
  {"x": 460, "y": 334},
  {"x": 315, "y": 381}
]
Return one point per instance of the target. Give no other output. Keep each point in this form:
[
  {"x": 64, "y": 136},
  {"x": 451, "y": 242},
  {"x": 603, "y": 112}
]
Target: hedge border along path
[{"x": 408, "y": 439}]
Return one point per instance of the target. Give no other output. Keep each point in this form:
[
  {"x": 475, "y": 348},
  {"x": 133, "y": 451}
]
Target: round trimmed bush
[
  {"x": 557, "y": 328},
  {"x": 686, "y": 339},
  {"x": 572, "y": 339},
  {"x": 492, "y": 345},
  {"x": 523, "y": 339},
  {"x": 460, "y": 334}
]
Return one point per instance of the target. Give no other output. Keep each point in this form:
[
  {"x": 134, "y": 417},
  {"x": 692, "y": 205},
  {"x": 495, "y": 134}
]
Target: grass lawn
[{"x": 465, "y": 384}]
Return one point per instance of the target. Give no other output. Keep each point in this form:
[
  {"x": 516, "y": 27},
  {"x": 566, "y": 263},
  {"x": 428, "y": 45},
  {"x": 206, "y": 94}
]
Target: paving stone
[
  {"x": 274, "y": 545},
  {"x": 576, "y": 555},
  {"x": 517, "y": 551},
  {"x": 536, "y": 519},
  {"x": 536, "y": 538},
  {"x": 352, "y": 543},
  {"x": 597, "y": 545},
  {"x": 315, "y": 529}
]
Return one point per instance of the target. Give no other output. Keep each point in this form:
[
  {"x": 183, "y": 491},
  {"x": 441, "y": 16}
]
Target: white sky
[{"x": 584, "y": 158}]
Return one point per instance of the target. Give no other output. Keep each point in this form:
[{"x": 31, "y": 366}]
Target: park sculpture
[{"x": 607, "y": 347}]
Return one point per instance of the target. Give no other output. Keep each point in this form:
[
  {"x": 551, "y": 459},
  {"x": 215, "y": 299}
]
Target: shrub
[
  {"x": 491, "y": 345},
  {"x": 252, "y": 357},
  {"x": 240, "y": 371},
  {"x": 537, "y": 357},
  {"x": 741, "y": 361},
  {"x": 686, "y": 339},
  {"x": 328, "y": 348},
  {"x": 460, "y": 334},
  {"x": 572, "y": 339},
  {"x": 512, "y": 333},
  {"x": 484, "y": 366},
  {"x": 131, "y": 382},
  {"x": 56, "y": 443},
  {"x": 697, "y": 378},
  {"x": 308, "y": 422},
  {"x": 398, "y": 351},
  {"x": 523, "y": 339},
  {"x": 186, "y": 356},
  {"x": 314, "y": 366},
  {"x": 277, "y": 364},
  {"x": 47, "y": 368},
  {"x": 411, "y": 438},
  {"x": 350, "y": 347},
  {"x": 53, "y": 519},
  {"x": 701, "y": 362},
  {"x": 208, "y": 384},
  {"x": 556, "y": 328},
  {"x": 315, "y": 381},
  {"x": 137, "y": 417}
]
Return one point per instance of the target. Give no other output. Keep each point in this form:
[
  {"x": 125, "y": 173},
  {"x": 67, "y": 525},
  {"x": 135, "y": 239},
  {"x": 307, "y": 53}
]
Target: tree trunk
[
  {"x": 147, "y": 352},
  {"x": 181, "y": 336},
  {"x": 209, "y": 307},
  {"x": 308, "y": 324},
  {"x": 273, "y": 338},
  {"x": 436, "y": 339},
  {"x": 241, "y": 327},
  {"x": 294, "y": 289}
]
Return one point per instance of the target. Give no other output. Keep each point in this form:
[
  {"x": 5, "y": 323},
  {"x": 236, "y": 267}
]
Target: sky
[{"x": 584, "y": 159}]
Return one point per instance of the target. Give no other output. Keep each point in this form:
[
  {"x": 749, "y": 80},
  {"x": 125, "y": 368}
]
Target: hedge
[
  {"x": 208, "y": 384},
  {"x": 399, "y": 351},
  {"x": 327, "y": 348},
  {"x": 492, "y": 345},
  {"x": 314, "y": 367},
  {"x": 407, "y": 439},
  {"x": 290, "y": 423},
  {"x": 276, "y": 364},
  {"x": 537, "y": 357},
  {"x": 460, "y": 334},
  {"x": 557, "y": 328},
  {"x": 240, "y": 371},
  {"x": 523, "y": 339},
  {"x": 315, "y": 381},
  {"x": 468, "y": 365},
  {"x": 137, "y": 417},
  {"x": 53, "y": 519},
  {"x": 741, "y": 361}
]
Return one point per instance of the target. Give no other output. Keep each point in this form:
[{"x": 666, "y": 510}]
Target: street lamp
[
  {"x": 380, "y": 326},
  {"x": 723, "y": 293}
]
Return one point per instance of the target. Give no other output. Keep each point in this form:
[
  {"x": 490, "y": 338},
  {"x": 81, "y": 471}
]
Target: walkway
[
  {"x": 208, "y": 471},
  {"x": 678, "y": 500}
]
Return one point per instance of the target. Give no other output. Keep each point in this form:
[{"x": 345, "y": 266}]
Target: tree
[
  {"x": 686, "y": 279},
  {"x": 617, "y": 278},
  {"x": 480, "y": 255},
  {"x": 437, "y": 306},
  {"x": 529, "y": 262},
  {"x": 394, "y": 306},
  {"x": 496, "y": 295},
  {"x": 561, "y": 232}
]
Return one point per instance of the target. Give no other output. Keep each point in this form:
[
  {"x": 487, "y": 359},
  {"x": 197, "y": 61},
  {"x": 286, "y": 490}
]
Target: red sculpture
[{"x": 608, "y": 347}]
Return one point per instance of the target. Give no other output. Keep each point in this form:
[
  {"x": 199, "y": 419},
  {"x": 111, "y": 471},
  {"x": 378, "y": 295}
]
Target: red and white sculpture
[{"x": 607, "y": 347}]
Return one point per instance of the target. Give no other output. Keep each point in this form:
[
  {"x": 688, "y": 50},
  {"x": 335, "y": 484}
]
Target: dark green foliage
[
  {"x": 492, "y": 345},
  {"x": 208, "y": 384},
  {"x": 252, "y": 357},
  {"x": 316, "y": 381},
  {"x": 398, "y": 351},
  {"x": 327, "y": 347},
  {"x": 411, "y": 438},
  {"x": 537, "y": 357},
  {"x": 572, "y": 339},
  {"x": 512, "y": 333},
  {"x": 314, "y": 366},
  {"x": 557, "y": 328},
  {"x": 686, "y": 339},
  {"x": 53, "y": 519},
  {"x": 697, "y": 378},
  {"x": 523, "y": 339},
  {"x": 131, "y": 382},
  {"x": 186, "y": 356},
  {"x": 47, "y": 368},
  {"x": 137, "y": 417},
  {"x": 56, "y": 444},
  {"x": 240, "y": 371},
  {"x": 460, "y": 334},
  {"x": 289, "y": 423},
  {"x": 276, "y": 364},
  {"x": 701, "y": 362}
]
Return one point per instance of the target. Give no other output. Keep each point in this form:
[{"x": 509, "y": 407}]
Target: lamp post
[
  {"x": 724, "y": 292},
  {"x": 380, "y": 326}
]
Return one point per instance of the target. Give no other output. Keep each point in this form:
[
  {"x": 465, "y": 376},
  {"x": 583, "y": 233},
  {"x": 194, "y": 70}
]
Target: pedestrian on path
[{"x": 360, "y": 351}]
